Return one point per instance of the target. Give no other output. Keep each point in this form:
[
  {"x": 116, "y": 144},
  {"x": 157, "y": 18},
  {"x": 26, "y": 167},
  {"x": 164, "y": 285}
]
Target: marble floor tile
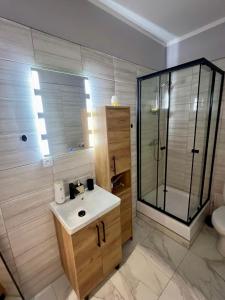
[
  {"x": 205, "y": 247},
  {"x": 113, "y": 289},
  {"x": 118, "y": 287},
  {"x": 141, "y": 267},
  {"x": 141, "y": 230},
  {"x": 164, "y": 250},
  {"x": 198, "y": 274},
  {"x": 179, "y": 289}
]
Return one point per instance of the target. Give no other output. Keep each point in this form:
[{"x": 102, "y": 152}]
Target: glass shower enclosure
[{"x": 178, "y": 116}]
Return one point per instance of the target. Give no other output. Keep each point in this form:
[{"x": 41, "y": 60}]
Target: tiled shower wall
[{"x": 27, "y": 235}]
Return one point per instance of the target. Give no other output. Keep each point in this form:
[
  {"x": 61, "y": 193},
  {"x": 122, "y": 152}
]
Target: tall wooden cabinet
[{"x": 113, "y": 159}]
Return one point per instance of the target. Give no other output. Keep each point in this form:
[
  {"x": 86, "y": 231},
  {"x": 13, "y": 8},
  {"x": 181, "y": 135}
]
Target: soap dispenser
[{"x": 59, "y": 192}]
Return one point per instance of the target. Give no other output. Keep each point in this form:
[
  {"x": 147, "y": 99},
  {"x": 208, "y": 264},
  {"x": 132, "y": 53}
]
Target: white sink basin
[{"x": 95, "y": 204}]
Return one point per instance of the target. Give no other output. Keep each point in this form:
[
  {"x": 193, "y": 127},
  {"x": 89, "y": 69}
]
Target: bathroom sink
[{"x": 84, "y": 209}]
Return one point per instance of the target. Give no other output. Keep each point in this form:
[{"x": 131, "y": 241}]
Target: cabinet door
[
  {"x": 111, "y": 240},
  {"x": 126, "y": 215},
  {"x": 88, "y": 258},
  {"x": 118, "y": 131}
]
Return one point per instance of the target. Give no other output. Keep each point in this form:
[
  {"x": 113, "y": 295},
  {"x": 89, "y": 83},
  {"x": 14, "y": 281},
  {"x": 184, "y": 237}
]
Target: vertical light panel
[
  {"x": 89, "y": 113},
  {"x": 39, "y": 114}
]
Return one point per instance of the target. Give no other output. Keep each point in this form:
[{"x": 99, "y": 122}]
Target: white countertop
[{"x": 95, "y": 203}]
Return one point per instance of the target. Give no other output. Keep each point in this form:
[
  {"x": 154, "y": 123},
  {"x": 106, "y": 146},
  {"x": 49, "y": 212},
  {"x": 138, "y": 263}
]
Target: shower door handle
[
  {"x": 195, "y": 151},
  {"x": 162, "y": 148}
]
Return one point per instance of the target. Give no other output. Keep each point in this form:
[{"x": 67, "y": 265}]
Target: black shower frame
[{"x": 198, "y": 62}]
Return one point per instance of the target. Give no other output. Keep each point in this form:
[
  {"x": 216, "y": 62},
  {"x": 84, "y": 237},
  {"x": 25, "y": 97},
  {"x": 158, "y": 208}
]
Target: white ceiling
[{"x": 167, "y": 21}]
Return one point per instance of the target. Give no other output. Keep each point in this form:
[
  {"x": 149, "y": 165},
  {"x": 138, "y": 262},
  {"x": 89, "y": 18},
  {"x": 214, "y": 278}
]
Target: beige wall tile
[
  {"x": 101, "y": 91},
  {"x": 141, "y": 71},
  {"x": 33, "y": 261},
  {"x": 39, "y": 267},
  {"x": 16, "y": 116},
  {"x": 27, "y": 207},
  {"x": 46, "y": 276},
  {"x": 15, "y": 42},
  {"x": 97, "y": 64},
  {"x": 74, "y": 166},
  {"x": 25, "y": 179},
  {"x": 55, "y": 53},
  {"x": 124, "y": 71},
  {"x": 31, "y": 234}
]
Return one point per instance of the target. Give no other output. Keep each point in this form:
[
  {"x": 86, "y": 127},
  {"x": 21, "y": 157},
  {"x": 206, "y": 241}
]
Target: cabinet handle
[
  {"x": 103, "y": 227},
  {"x": 114, "y": 164},
  {"x": 195, "y": 151},
  {"x": 99, "y": 242}
]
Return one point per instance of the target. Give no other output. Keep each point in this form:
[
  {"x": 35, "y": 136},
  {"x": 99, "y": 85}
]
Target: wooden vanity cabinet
[
  {"x": 90, "y": 254},
  {"x": 113, "y": 158}
]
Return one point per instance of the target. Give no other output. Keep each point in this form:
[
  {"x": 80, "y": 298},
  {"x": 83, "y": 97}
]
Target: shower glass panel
[
  {"x": 212, "y": 137},
  {"x": 201, "y": 118},
  {"x": 154, "y": 108},
  {"x": 183, "y": 104},
  {"x": 178, "y": 114},
  {"x": 162, "y": 137},
  {"x": 149, "y": 139}
]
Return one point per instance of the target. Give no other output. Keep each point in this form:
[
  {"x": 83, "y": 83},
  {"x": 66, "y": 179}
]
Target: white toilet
[{"x": 218, "y": 220}]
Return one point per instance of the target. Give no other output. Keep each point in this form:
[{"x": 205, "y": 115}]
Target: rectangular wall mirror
[{"x": 60, "y": 104}]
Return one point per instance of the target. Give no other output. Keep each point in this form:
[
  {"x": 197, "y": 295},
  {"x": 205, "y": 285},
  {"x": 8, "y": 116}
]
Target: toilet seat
[{"x": 218, "y": 219}]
